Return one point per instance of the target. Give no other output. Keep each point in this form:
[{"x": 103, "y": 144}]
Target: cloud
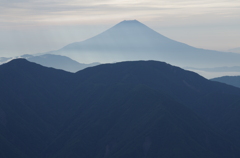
[{"x": 50, "y": 12}]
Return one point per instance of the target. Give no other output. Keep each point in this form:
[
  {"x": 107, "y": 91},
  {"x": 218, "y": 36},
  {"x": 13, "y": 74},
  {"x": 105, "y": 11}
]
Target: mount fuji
[{"x": 132, "y": 40}]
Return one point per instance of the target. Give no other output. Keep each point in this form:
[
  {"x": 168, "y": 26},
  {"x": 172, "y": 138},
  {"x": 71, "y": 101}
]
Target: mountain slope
[
  {"x": 210, "y": 100},
  {"x": 132, "y": 40},
  {"x": 129, "y": 109},
  {"x": 186, "y": 87},
  {"x": 141, "y": 123},
  {"x": 30, "y": 105}
]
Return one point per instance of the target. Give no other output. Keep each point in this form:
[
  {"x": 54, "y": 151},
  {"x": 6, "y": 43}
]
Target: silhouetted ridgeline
[{"x": 125, "y": 110}]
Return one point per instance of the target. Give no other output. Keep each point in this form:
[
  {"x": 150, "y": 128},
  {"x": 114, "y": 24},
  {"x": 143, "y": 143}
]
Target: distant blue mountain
[
  {"x": 235, "y": 50},
  {"x": 217, "y": 69},
  {"x": 132, "y": 40},
  {"x": 59, "y": 62},
  {"x": 4, "y": 59},
  {"x": 230, "y": 80},
  {"x": 54, "y": 61}
]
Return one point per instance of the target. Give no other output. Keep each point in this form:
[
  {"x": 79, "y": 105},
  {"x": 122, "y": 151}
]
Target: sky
[{"x": 38, "y": 26}]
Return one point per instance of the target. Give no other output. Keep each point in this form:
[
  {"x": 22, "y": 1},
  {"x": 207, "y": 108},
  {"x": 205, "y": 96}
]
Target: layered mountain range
[
  {"x": 230, "y": 80},
  {"x": 53, "y": 61},
  {"x": 138, "y": 109},
  {"x": 217, "y": 69},
  {"x": 132, "y": 40},
  {"x": 59, "y": 62}
]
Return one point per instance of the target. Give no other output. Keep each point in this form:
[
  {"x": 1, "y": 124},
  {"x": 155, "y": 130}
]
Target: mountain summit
[
  {"x": 128, "y": 36},
  {"x": 132, "y": 40}
]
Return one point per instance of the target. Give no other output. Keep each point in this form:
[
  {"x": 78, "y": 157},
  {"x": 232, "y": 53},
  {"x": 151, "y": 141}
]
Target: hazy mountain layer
[
  {"x": 235, "y": 50},
  {"x": 124, "y": 110},
  {"x": 59, "y": 62},
  {"x": 54, "y": 61},
  {"x": 4, "y": 59},
  {"x": 230, "y": 80},
  {"x": 132, "y": 40},
  {"x": 217, "y": 69}
]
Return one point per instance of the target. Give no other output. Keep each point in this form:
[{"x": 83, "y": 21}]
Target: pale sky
[{"x": 37, "y": 26}]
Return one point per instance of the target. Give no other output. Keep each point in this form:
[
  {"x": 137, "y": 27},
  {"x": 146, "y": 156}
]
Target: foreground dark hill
[
  {"x": 30, "y": 109},
  {"x": 132, "y": 40},
  {"x": 230, "y": 80},
  {"x": 129, "y": 109},
  {"x": 185, "y": 86},
  {"x": 137, "y": 122},
  {"x": 210, "y": 100}
]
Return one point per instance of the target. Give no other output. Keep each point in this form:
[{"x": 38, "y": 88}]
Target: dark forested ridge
[{"x": 141, "y": 109}]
